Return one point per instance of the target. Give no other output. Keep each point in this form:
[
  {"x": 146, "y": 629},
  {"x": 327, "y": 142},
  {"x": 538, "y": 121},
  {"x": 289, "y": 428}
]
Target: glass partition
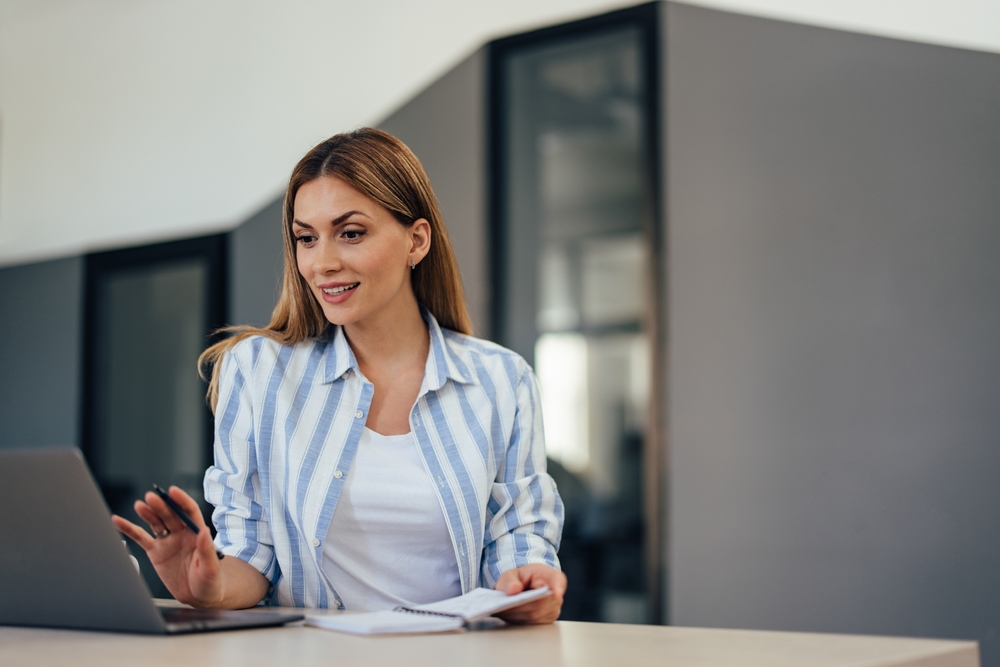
[
  {"x": 574, "y": 230},
  {"x": 150, "y": 313}
]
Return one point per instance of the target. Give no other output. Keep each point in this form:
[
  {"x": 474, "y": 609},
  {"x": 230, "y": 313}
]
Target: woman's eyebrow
[
  {"x": 333, "y": 223},
  {"x": 343, "y": 218}
]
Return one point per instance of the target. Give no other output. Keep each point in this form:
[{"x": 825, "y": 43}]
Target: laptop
[{"x": 62, "y": 562}]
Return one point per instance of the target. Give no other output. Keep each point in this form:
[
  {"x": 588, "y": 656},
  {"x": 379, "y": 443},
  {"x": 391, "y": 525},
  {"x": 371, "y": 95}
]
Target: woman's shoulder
[
  {"x": 252, "y": 349},
  {"x": 478, "y": 353}
]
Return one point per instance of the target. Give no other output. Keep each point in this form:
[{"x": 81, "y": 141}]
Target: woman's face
[{"x": 353, "y": 253}]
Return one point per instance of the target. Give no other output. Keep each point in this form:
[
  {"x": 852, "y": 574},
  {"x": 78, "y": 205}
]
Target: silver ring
[{"x": 162, "y": 533}]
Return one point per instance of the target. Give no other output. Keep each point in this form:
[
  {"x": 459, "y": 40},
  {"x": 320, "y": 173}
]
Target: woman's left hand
[{"x": 527, "y": 577}]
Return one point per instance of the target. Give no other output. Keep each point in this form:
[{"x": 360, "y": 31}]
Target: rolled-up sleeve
[
  {"x": 524, "y": 514},
  {"x": 232, "y": 484}
]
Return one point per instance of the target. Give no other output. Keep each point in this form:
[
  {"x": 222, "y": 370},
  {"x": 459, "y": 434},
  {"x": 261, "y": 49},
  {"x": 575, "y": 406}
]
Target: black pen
[{"x": 181, "y": 514}]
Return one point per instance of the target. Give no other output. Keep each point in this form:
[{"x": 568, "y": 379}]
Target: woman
[{"x": 368, "y": 451}]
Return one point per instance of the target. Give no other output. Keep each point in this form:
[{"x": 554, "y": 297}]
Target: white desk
[{"x": 566, "y": 643}]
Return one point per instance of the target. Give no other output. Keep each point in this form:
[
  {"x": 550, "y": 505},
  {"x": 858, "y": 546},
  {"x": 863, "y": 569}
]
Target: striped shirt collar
[{"x": 443, "y": 363}]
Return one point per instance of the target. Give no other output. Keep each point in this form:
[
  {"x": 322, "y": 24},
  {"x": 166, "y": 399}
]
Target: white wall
[
  {"x": 132, "y": 120},
  {"x": 126, "y": 121}
]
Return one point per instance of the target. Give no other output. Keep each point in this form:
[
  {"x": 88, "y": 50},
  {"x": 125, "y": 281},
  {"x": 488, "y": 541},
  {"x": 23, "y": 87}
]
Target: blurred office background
[{"x": 749, "y": 247}]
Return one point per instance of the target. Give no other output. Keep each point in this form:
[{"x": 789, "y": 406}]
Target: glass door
[
  {"x": 150, "y": 313},
  {"x": 575, "y": 231}
]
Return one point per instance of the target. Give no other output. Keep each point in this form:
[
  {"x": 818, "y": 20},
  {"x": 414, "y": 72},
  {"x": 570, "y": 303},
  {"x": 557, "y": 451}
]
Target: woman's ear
[{"x": 420, "y": 239}]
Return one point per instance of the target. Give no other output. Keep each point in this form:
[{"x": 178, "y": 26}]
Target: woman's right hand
[{"x": 186, "y": 562}]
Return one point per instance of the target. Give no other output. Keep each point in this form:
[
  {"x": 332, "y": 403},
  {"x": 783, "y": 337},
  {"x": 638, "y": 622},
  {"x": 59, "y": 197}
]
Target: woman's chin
[{"x": 336, "y": 314}]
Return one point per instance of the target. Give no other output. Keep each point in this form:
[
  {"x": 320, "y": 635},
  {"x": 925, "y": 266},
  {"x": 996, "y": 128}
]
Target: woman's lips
[{"x": 338, "y": 294}]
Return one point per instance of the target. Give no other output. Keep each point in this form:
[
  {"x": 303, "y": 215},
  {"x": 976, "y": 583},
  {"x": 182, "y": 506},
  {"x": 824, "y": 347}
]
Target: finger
[
  {"x": 559, "y": 584},
  {"x": 188, "y": 504},
  {"x": 537, "y": 576},
  {"x": 208, "y": 561},
  {"x": 533, "y": 605},
  {"x": 543, "y": 613},
  {"x": 147, "y": 514},
  {"x": 167, "y": 516},
  {"x": 554, "y": 579},
  {"x": 510, "y": 582},
  {"x": 527, "y": 607},
  {"x": 137, "y": 534}
]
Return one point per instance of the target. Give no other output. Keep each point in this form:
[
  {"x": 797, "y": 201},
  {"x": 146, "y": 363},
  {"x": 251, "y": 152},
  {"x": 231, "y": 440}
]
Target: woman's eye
[
  {"x": 353, "y": 234},
  {"x": 305, "y": 238}
]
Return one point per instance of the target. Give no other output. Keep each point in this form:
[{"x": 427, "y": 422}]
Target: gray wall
[
  {"x": 41, "y": 320},
  {"x": 833, "y": 208},
  {"x": 445, "y": 127},
  {"x": 255, "y": 264}
]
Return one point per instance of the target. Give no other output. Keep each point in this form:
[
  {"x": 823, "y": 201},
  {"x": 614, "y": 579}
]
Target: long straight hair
[{"x": 378, "y": 165}]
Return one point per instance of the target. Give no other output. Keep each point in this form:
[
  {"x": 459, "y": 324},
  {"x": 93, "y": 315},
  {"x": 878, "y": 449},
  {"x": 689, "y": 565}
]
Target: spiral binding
[{"x": 428, "y": 612}]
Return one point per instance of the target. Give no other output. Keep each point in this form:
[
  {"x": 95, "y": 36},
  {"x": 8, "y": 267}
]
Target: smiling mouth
[{"x": 332, "y": 291}]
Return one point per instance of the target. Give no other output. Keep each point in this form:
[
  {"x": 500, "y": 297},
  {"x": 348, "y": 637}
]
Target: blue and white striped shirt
[{"x": 287, "y": 425}]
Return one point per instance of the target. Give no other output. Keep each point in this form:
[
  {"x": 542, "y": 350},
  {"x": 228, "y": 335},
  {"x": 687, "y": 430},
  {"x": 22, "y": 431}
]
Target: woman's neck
[{"x": 391, "y": 342}]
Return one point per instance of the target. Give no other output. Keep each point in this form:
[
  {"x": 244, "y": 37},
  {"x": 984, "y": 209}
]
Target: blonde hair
[{"x": 378, "y": 165}]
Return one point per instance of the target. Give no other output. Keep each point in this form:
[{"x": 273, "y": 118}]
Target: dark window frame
[
  {"x": 213, "y": 249},
  {"x": 648, "y": 19}
]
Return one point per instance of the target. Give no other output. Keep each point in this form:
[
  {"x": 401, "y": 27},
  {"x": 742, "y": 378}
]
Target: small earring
[{"x": 413, "y": 264}]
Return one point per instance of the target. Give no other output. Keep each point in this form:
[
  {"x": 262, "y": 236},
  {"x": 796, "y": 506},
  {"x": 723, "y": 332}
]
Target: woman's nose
[{"x": 327, "y": 259}]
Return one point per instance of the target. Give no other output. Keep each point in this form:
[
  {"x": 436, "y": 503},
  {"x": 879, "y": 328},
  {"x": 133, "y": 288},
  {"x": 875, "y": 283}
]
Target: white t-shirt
[{"x": 388, "y": 543}]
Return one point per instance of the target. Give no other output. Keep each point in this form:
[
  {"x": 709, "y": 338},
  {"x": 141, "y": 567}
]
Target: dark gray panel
[
  {"x": 834, "y": 307},
  {"x": 255, "y": 260},
  {"x": 40, "y": 326},
  {"x": 444, "y": 127}
]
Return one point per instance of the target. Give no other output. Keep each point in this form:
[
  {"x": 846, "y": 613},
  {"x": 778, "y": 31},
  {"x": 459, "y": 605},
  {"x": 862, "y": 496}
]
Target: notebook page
[{"x": 483, "y": 602}]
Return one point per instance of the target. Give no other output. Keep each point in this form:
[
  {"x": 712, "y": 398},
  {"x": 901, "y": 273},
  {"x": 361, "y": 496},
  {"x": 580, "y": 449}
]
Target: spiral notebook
[{"x": 451, "y": 614}]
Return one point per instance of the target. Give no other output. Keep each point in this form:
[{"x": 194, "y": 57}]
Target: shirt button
[
  {"x": 344, "y": 376},
  {"x": 315, "y": 541},
  {"x": 359, "y": 414},
  {"x": 338, "y": 474}
]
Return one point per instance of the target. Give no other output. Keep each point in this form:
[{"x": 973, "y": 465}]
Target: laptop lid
[{"x": 62, "y": 560}]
